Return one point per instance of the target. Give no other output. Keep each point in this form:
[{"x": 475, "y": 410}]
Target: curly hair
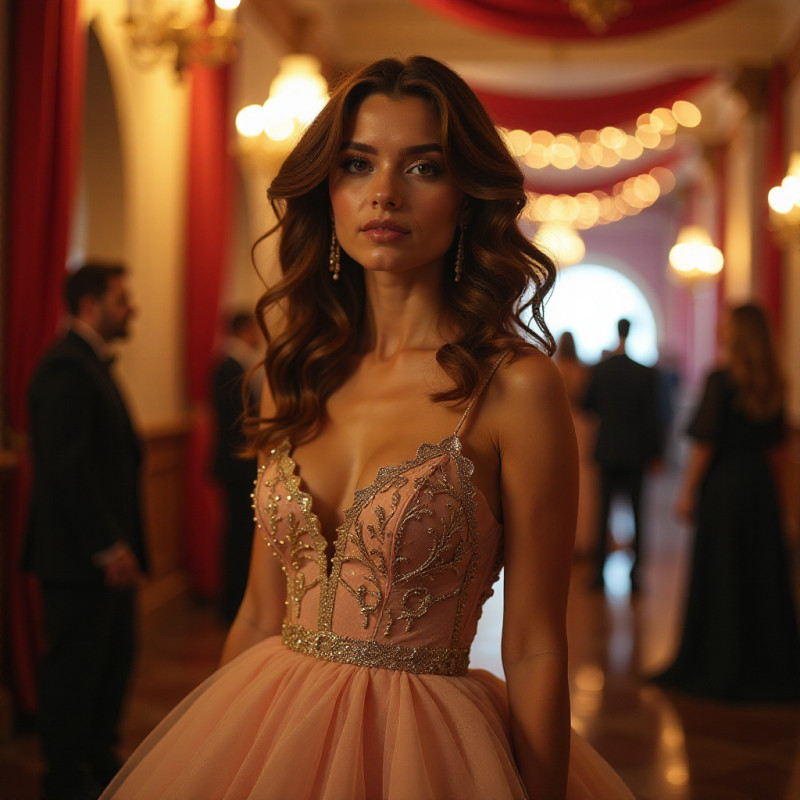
[{"x": 505, "y": 277}]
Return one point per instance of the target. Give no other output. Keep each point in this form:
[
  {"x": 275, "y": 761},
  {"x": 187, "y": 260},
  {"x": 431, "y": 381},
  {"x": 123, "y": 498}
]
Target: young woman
[
  {"x": 412, "y": 441},
  {"x": 740, "y": 639}
]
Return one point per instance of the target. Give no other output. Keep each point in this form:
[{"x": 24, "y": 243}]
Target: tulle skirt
[{"x": 274, "y": 723}]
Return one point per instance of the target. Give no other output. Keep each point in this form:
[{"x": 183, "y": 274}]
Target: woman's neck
[{"x": 404, "y": 313}]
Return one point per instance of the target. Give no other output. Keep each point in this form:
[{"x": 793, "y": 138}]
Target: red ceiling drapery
[
  {"x": 551, "y": 19},
  {"x": 47, "y": 103},
  {"x": 572, "y": 113},
  {"x": 209, "y": 196}
]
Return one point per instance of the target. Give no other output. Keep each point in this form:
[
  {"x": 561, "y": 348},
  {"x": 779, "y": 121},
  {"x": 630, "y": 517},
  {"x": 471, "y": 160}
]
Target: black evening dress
[{"x": 740, "y": 638}]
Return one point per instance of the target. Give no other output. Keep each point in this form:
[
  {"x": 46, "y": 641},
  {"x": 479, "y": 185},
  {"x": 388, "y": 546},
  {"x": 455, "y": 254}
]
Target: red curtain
[
  {"x": 771, "y": 258},
  {"x": 551, "y": 19},
  {"x": 568, "y": 114},
  {"x": 210, "y": 192},
  {"x": 47, "y": 104}
]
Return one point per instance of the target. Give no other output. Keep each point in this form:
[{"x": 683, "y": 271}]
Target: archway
[
  {"x": 589, "y": 298},
  {"x": 98, "y": 229}
]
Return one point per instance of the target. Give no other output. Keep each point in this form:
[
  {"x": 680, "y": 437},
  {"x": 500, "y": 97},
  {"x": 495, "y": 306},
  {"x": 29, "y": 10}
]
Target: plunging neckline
[{"x": 449, "y": 446}]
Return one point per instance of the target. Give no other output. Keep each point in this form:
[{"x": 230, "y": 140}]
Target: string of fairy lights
[{"x": 605, "y": 148}]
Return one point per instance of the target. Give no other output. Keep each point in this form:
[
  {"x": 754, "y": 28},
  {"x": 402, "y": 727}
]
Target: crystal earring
[
  {"x": 460, "y": 254},
  {"x": 335, "y": 255}
]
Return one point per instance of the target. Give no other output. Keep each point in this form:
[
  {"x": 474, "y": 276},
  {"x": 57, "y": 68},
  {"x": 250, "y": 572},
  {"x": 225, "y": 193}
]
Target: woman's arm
[
  {"x": 262, "y": 610},
  {"x": 539, "y": 490},
  {"x": 696, "y": 468}
]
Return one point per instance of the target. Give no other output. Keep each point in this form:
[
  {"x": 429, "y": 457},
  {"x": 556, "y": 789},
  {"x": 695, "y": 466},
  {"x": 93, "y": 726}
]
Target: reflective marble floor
[{"x": 664, "y": 745}]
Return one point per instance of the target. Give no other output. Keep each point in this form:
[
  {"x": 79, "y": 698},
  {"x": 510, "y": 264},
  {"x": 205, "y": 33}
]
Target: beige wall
[
  {"x": 256, "y": 66},
  {"x": 152, "y": 106}
]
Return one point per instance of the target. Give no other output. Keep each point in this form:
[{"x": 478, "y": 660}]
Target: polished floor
[{"x": 666, "y": 746}]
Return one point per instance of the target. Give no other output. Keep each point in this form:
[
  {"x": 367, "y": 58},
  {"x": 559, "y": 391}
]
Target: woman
[
  {"x": 576, "y": 376},
  {"x": 396, "y": 329},
  {"x": 740, "y": 639}
]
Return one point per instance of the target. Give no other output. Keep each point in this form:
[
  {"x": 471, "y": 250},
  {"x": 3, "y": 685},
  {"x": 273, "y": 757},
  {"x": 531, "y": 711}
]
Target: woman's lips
[{"x": 383, "y": 230}]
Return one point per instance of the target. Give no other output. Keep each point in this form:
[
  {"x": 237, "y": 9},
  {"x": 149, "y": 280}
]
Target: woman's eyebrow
[{"x": 430, "y": 147}]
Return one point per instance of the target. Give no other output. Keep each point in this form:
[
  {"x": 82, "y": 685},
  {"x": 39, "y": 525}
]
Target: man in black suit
[
  {"x": 623, "y": 394},
  {"x": 235, "y": 474},
  {"x": 85, "y": 539}
]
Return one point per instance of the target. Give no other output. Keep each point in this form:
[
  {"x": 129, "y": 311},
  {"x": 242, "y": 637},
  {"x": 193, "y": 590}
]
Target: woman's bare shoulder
[{"x": 529, "y": 375}]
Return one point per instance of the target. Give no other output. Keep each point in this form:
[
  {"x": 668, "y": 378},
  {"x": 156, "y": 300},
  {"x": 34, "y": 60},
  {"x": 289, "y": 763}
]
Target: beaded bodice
[{"x": 414, "y": 559}]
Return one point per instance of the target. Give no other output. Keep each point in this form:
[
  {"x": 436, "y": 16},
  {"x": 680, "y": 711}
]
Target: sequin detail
[
  {"x": 408, "y": 548},
  {"x": 367, "y": 653}
]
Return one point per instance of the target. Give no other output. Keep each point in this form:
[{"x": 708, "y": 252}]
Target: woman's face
[{"x": 395, "y": 206}]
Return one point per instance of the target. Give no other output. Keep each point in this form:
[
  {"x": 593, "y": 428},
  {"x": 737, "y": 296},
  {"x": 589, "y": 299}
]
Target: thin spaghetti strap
[{"x": 477, "y": 393}]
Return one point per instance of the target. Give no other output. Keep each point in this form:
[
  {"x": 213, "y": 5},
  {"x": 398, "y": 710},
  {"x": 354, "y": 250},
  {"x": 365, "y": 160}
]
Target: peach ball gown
[{"x": 366, "y": 694}]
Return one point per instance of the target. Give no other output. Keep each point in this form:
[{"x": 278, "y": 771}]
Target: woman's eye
[
  {"x": 356, "y": 164},
  {"x": 427, "y": 169}
]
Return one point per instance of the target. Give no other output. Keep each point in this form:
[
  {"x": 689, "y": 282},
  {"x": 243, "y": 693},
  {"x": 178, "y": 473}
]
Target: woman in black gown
[{"x": 740, "y": 638}]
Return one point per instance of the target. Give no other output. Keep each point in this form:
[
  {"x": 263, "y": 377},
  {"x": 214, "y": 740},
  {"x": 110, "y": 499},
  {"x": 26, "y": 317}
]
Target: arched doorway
[
  {"x": 589, "y": 298},
  {"x": 98, "y": 229}
]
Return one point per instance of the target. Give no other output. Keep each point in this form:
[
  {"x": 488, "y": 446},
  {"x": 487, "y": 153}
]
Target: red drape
[
  {"x": 47, "y": 103},
  {"x": 770, "y": 261},
  {"x": 572, "y": 114},
  {"x": 210, "y": 191},
  {"x": 551, "y": 19}
]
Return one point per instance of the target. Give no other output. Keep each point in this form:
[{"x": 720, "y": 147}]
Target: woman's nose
[{"x": 385, "y": 192}]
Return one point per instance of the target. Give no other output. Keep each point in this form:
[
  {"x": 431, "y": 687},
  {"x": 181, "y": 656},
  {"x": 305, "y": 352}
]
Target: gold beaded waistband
[{"x": 367, "y": 653}]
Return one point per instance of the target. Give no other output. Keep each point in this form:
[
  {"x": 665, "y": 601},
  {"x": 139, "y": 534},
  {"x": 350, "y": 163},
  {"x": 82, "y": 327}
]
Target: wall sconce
[
  {"x": 297, "y": 94},
  {"x": 561, "y": 241},
  {"x": 179, "y": 30},
  {"x": 693, "y": 258},
  {"x": 784, "y": 204}
]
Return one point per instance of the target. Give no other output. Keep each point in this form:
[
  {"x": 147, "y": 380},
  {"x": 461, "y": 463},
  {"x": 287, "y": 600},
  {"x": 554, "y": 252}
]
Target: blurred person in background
[
  {"x": 624, "y": 396},
  {"x": 740, "y": 638},
  {"x": 234, "y": 398},
  {"x": 85, "y": 540}
]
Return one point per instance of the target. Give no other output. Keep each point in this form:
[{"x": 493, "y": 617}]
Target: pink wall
[{"x": 639, "y": 246}]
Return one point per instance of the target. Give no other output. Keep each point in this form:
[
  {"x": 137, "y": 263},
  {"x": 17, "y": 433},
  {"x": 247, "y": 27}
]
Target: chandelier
[
  {"x": 784, "y": 204},
  {"x": 599, "y": 15},
  {"x": 296, "y": 95},
  {"x": 693, "y": 258},
  {"x": 179, "y": 30}
]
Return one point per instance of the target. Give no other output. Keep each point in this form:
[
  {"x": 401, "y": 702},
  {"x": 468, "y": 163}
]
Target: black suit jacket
[
  {"x": 86, "y": 461},
  {"x": 623, "y": 394},
  {"x": 229, "y": 408}
]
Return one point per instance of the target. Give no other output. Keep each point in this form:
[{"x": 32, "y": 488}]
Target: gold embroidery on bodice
[
  {"x": 408, "y": 544},
  {"x": 413, "y": 560}
]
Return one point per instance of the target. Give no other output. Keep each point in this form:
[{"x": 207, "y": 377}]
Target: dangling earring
[
  {"x": 335, "y": 254},
  {"x": 460, "y": 254}
]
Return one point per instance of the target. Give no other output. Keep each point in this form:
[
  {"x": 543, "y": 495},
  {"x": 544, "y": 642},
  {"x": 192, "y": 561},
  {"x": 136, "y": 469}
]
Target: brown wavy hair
[
  {"x": 753, "y": 363},
  {"x": 321, "y": 320}
]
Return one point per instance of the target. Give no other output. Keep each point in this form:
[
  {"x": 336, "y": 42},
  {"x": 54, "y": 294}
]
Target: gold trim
[{"x": 330, "y": 646}]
